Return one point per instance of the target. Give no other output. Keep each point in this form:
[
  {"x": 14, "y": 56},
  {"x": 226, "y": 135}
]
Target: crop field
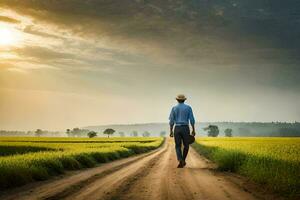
[
  {"x": 27, "y": 159},
  {"x": 274, "y": 162}
]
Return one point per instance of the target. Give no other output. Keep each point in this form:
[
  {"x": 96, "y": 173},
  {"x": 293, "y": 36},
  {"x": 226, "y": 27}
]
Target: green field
[
  {"x": 27, "y": 159},
  {"x": 274, "y": 162}
]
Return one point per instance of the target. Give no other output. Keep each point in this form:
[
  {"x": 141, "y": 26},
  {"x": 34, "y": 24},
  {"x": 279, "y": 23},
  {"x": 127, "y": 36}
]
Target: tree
[
  {"x": 146, "y": 134},
  {"x": 212, "y": 130},
  {"x": 38, "y": 132},
  {"x": 92, "y": 134},
  {"x": 122, "y": 134},
  {"x": 76, "y": 132},
  {"x": 30, "y": 132},
  {"x": 135, "y": 134},
  {"x": 163, "y": 134},
  {"x": 228, "y": 132},
  {"x": 68, "y": 132},
  {"x": 109, "y": 131}
]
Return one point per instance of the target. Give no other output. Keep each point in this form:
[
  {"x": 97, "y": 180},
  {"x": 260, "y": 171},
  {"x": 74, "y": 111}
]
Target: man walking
[{"x": 180, "y": 116}]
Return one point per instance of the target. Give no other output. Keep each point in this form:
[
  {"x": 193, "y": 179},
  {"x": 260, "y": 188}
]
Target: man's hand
[
  {"x": 171, "y": 130},
  {"x": 193, "y": 133}
]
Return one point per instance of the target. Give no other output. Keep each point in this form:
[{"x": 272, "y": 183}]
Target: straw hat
[{"x": 181, "y": 97}]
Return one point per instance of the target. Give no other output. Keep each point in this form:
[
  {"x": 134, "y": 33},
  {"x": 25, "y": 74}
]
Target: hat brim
[{"x": 180, "y": 98}]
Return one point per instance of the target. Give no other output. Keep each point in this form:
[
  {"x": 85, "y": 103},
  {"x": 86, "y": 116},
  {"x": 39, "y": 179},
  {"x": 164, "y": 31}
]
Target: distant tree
[
  {"x": 76, "y": 132},
  {"x": 163, "y": 134},
  {"x": 92, "y": 134},
  {"x": 122, "y": 134},
  {"x": 135, "y": 134},
  {"x": 29, "y": 133},
  {"x": 212, "y": 130},
  {"x": 68, "y": 132},
  {"x": 228, "y": 132},
  {"x": 109, "y": 131},
  {"x": 146, "y": 134},
  {"x": 38, "y": 132}
]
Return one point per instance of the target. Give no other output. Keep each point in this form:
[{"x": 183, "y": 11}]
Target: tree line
[
  {"x": 213, "y": 131},
  {"x": 76, "y": 132}
]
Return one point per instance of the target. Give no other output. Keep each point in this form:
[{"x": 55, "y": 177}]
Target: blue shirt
[{"x": 181, "y": 114}]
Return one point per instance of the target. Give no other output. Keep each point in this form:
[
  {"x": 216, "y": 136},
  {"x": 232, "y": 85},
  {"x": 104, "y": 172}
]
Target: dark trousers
[{"x": 181, "y": 134}]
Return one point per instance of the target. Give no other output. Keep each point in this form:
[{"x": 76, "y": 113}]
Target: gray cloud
[
  {"x": 42, "y": 53},
  {"x": 196, "y": 32},
  {"x": 9, "y": 20},
  {"x": 30, "y": 30},
  {"x": 201, "y": 33},
  {"x": 173, "y": 24}
]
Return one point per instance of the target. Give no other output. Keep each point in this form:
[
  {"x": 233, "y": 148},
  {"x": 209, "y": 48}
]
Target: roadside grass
[
  {"x": 273, "y": 162},
  {"x": 12, "y": 149},
  {"x": 26, "y": 164}
]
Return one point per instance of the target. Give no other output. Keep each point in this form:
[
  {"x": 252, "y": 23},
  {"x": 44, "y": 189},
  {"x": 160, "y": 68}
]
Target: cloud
[
  {"x": 42, "y": 53},
  {"x": 30, "y": 30},
  {"x": 33, "y": 57},
  {"x": 9, "y": 20},
  {"x": 172, "y": 32},
  {"x": 164, "y": 26}
]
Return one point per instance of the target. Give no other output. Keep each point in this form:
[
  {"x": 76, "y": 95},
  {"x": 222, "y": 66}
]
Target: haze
[{"x": 85, "y": 62}]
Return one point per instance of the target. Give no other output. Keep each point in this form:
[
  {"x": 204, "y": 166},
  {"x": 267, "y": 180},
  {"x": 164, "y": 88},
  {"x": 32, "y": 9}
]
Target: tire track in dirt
[
  {"x": 144, "y": 171},
  {"x": 162, "y": 182},
  {"x": 129, "y": 186},
  {"x": 107, "y": 186}
]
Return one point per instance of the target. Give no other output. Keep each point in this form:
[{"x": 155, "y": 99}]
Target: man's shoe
[
  {"x": 180, "y": 165},
  {"x": 183, "y": 163}
]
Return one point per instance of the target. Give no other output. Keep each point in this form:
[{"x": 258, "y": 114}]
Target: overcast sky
[{"x": 67, "y": 63}]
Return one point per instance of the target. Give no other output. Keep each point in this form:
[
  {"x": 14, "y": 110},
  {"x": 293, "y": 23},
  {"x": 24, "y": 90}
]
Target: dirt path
[{"x": 149, "y": 176}]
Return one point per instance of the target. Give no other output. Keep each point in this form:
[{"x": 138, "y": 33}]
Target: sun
[{"x": 7, "y": 36}]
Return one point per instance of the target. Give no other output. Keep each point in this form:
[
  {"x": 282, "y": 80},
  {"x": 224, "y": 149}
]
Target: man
[{"x": 180, "y": 116}]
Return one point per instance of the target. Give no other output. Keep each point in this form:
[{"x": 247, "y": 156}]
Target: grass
[
  {"x": 274, "y": 162},
  {"x": 12, "y": 149},
  {"x": 25, "y": 160}
]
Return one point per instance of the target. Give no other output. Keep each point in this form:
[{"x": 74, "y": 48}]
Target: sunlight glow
[{"x": 7, "y": 36}]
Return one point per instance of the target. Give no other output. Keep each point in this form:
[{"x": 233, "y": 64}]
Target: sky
[{"x": 69, "y": 63}]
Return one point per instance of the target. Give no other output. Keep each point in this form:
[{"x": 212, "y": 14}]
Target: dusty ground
[{"x": 149, "y": 176}]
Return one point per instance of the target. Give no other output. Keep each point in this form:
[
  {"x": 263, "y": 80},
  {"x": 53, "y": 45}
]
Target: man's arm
[
  {"x": 192, "y": 121},
  {"x": 171, "y": 130},
  {"x": 172, "y": 122},
  {"x": 193, "y": 130}
]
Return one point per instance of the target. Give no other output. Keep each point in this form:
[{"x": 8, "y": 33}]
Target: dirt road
[{"x": 149, "y": 176}]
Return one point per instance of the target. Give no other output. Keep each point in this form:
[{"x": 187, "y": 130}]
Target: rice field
[
  {"x": 28, "y": 159},
  {"x": 273, "y": 162}
]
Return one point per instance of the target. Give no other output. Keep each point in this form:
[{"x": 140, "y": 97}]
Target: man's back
[{"x": 181, "y": 114}]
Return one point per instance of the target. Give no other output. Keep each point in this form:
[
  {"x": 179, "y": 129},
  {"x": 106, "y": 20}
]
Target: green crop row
[
  {"x": 273, "y": 162},
  {"x": 54, "y": 158}
]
